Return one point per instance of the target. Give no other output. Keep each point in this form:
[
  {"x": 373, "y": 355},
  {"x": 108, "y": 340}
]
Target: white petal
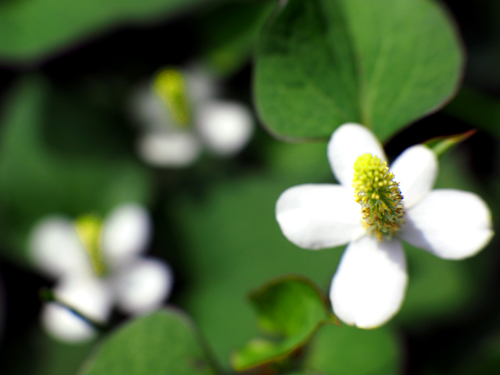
[
  {"x": 149, "y": 111},
  {"x": 415, "y": 169},
  {"x": 226, "y": 127},
  {"x": 451, "y": 224},
  {"x": 169, "y": 149},
  {"x": 201, "y": 85},
  {"x": 57, "y": 250},
  {"x": 89, "y": 296},
  {"x": 63, "y": 325},
  {"x": 315, "y": 216},
  {"x": 143, "y": 286},
  {"x": 127, "y": 232},
  {"x": 369, "y": 285},
  {"x": 347, "y": 143}
]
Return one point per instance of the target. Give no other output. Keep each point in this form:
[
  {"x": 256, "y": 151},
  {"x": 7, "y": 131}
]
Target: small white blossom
[
  {"x": 369, "y": 285},
  {"x": 177, "y": 125},
  {"x": 136, "y": 284}
]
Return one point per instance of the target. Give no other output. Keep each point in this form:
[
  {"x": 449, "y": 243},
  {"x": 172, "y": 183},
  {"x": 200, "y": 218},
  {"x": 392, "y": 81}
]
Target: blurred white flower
[
  {"x": 367, "y": 211},
  {"x": 98, "y": 265},
  {"x": 180, "y": 114}
]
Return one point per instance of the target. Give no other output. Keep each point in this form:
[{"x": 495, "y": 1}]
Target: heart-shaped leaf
[
  {"x": 384, "y": 64},
  {"x": 289, "y": 311}
]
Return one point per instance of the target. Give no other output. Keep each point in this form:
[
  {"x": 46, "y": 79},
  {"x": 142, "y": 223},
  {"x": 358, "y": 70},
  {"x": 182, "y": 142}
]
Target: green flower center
[
  {"x": 89, "y": 229},
  {"x": 170, "y": 86},
  {"x": 379, "y": 196}
]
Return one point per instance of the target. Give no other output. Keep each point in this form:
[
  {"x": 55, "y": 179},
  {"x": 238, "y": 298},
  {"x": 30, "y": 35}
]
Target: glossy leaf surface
[{"x": 384, "y": 64}]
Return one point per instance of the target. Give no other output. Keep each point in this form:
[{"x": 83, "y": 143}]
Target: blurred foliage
[
  {"x": 349, "y": 350},
  {"x": 164, "y": 342},
  {"x": 34, "y": 29},
  {"x": 46, "y": 355},
  {"x": 483, "y": 359},
  {"x": 231, "y": 243},
  {"x": 229, "y": 30},
  {"x": 437, "y": 289},
  {"x": 2, "y": 307},
  {"x": 481, "y": 33},
  {"x": 476, "y": 108},
  {"x": 67, "y": 147},
  {"x": 57, "y": 155}
]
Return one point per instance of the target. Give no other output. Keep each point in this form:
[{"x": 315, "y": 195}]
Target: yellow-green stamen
[
  {"x": 170, "y": 86},
  {"x": 379, "y": 196},
  {"x": 89, "y": 229}
]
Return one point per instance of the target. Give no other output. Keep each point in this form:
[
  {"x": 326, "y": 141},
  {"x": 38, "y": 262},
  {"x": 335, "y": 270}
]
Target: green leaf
[
  {"x": 228, "y": 240},
  {"x": 233, "y": 229},
  {"x": 349, "y": 350},
  {"x": 384, "y": 64},
  {"x": 442, "y": 144},
  {"x": 32, "y": 30},
  {"x": 46, "y": 169},
  {"x": 290, "y": 305},
  {"x": 229, "y": 32},
  {"x": 290, "y": 309},
  {"x": 164, "y": 342}
]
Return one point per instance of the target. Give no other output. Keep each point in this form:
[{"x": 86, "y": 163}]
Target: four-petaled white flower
[
  {"x": 371, "y": 209},
  {"x": 97, "y": 265},
  {"x": 179, "y": 113}
]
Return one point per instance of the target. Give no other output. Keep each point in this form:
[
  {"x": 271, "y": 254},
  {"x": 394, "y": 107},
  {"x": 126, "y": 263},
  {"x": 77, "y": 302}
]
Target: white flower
[
  {"x": 136, "y": 284},
  {"x": 369, "y": 285},
  {"x": 180, "y": 113}
]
